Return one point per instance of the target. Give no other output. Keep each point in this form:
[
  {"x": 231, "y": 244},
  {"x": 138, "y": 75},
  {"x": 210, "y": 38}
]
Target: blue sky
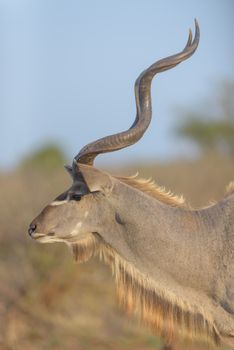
[{"x": 67, "y": 71}]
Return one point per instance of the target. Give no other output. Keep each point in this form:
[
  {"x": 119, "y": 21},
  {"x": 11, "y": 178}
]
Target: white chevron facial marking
[
  {"x": 76, "y": 229},
  {"x": 56, "y": 203}
]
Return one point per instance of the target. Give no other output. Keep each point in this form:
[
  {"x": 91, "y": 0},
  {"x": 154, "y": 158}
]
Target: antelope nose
[{"x": 31, "y": 229}]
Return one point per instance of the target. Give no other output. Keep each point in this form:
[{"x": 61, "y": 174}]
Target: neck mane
[
  {"x": 138, "y": 294},
  {"x": 152, "y": 189}
]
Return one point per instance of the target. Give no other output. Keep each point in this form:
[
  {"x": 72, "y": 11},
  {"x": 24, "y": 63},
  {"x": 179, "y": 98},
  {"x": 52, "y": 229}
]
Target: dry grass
[{"x": 47, "y": 301}]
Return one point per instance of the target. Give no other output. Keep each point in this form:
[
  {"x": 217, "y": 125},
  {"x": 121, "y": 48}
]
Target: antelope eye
[{"x": 75, "y": 197}]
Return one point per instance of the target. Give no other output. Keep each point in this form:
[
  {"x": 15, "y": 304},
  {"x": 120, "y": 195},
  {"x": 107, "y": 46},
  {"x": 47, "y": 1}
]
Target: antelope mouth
[
  {"x": 38, "y": 235},
  {"x": 44, "y": 237}
]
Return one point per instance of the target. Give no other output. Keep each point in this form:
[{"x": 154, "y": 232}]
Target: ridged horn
[{"x": 143, "y": 105}]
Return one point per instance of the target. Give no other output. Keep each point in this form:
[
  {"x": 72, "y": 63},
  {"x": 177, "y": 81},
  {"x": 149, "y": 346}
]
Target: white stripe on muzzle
[{"x": 56, "y": 203}]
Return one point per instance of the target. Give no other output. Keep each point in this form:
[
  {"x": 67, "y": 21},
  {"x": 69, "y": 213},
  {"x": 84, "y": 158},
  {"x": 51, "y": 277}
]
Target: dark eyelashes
[
  {"x": 75, "y": 197},
  {"x": 78, "y": 196}
]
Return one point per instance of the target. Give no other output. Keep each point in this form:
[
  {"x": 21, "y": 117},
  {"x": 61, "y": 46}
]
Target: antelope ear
[{"x": 95, "y": 179}]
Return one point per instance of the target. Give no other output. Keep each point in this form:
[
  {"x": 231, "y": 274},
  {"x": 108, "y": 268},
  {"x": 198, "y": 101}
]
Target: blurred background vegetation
[
  {"x": 49, "y": 302},
  {"x": 212, "y": 132}
]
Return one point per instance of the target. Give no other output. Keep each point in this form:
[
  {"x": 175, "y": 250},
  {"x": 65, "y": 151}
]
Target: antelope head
[
  {"x": 76, "y": 213},
  {"x": 84, "y": 207}
]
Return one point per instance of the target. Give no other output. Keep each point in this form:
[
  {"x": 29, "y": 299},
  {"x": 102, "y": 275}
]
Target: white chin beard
[{"x": 48, "y": 239}]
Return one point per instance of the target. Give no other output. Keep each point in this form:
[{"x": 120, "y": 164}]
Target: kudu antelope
[{"x": 172, "y": 264}]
